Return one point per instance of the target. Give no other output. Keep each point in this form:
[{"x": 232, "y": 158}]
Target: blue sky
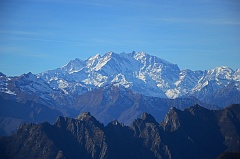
[{"x": 38, "y": 35}]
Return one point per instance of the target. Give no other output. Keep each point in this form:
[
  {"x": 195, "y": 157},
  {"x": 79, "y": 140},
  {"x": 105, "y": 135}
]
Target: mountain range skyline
[
  {"x": 139, "y": 71},
  {"x": 114, "y": 76},
  {"x": 40, "y": 35},
  {"x": 101, "y": 55},
  {"x": 113, "y": 86}
]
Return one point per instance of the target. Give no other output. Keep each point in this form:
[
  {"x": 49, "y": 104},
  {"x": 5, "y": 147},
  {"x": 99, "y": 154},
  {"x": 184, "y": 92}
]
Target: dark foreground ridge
[{"x": 195, "y": 132}]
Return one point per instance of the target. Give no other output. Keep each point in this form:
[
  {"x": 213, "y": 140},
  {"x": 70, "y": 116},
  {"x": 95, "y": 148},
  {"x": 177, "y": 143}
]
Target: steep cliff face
[
  {"x": 152, "y": 136},
  {"x": 83, "y": 136},
  {"x": 195, "y": 132},
  {"x": 123, "y": 144},
  {"x": 229, "y": 124}
]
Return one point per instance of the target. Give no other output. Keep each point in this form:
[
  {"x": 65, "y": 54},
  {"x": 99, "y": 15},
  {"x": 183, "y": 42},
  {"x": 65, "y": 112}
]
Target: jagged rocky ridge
[{"x": 195, "y": 132}]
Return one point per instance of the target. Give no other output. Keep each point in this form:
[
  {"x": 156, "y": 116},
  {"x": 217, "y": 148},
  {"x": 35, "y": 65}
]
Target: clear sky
[{"x": 39, "y": 35}]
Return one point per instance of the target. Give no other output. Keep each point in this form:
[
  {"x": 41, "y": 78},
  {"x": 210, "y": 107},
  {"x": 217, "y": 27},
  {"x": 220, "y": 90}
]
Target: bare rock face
[
  {"x": 195, "y": 132},
  {"x": 148, "y": 118}
]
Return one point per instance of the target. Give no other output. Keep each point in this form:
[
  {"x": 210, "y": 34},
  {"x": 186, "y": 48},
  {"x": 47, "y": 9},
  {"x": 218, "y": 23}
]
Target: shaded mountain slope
[
  {"x": 225, "y": 96},
  {"x": 116, "y": 102},
  {"x": 106, "y": 104},
  {"x": 13, "y": 113}
]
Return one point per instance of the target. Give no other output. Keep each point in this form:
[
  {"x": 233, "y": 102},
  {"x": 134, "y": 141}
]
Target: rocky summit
[{"x": 195, "y": 132}]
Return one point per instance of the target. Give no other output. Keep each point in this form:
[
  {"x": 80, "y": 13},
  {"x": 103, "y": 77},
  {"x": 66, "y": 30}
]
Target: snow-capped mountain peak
[
  {"x": 28, "y": 76},
  {"x": 73, "y": 65},
  {"x": 93, "y": 61},
  {"x": 32, "y": 84},
  {"x": 237, "y": 75},
  {"x": 222, "y": 72},
  {"x": 144, "y": 58},
  {"x": 139, "y": 71}
]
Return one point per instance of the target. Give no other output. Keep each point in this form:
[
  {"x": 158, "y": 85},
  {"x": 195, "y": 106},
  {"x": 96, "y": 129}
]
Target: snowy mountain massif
[
  {"x": 125, "y": 84},
  {"x": 141, "y": 72}
]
